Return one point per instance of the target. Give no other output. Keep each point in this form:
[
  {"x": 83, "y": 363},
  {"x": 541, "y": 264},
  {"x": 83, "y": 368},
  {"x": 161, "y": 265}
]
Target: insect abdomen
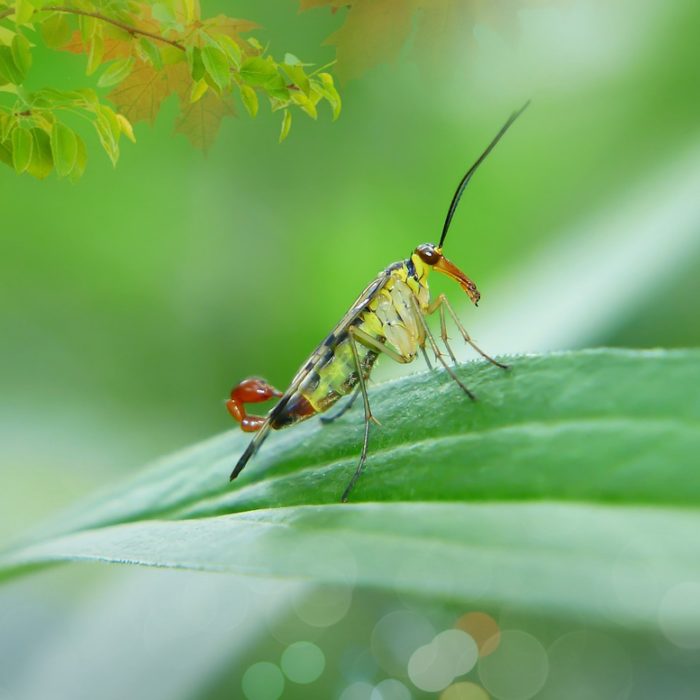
[
  {"x": 390, "y": 316},
  {"x": 333, "y": 376}
]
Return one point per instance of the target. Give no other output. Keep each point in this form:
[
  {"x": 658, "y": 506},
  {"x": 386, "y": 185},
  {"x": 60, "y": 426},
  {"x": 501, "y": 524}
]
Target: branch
[
  {"x": 126, "y": 27},
  {"x": 134, "y": 31}
]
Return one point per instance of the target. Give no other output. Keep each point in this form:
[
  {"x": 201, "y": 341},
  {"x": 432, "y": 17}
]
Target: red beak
[{"x": 447, "y": 268}]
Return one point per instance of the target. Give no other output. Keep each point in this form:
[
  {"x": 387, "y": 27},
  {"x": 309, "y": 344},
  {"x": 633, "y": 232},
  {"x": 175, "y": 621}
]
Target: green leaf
[
  {"x": 286, "y": 125},
  {"x": 151, "y": 52},
  {"x": 24, "y": 11},
  {"x": 21, "y": 54},
  {"x": 108, "y": 130},
  {"x": 163, "y": 13},
  {"x": 291, "y": 60},
  {"x": 195, "y": 63},
  {"x": 250, "y": 99},
  {"x": 42, "y": 160},
  {"x": 95, "y": 53},
  {"x": 116, "y": 72},
  {"x": 231, "y": 48},
  {"x": 80, "y": 160},
  {"x": 191, "y": 10},
  {"x": 297, "y": 77},
  {"x": 545, "y": 557},
  {"x": 217, "y": 66},
  {"x": 328, "y": 91},
  {"x": 125, "y": 127},
  {"x": 64, "y": 147},
  {"x": 255, "y": 43},
  {"x": 263, "y": 72},
  {"x": 7, "y": 123},
  {"x": 258, "y": 71},
  {"x": 9, "y": 71},
  {"x": 22, "y": 143},
  {"x": 566, "y": 466},
  {"x": 6, "y": 155},
  {"x": 88, "y": 26},
  {"x": 55, "y": 30},
  {"x": 307, "y": 105},
  {"x": 198, "y": 90}
]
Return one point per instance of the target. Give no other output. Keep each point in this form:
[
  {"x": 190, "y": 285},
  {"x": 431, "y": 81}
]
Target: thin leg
[
  {"x": 426, "y": 358},
  {"x": 442, "y": 300},
  {"x": 440, "y": 357},
  {"x": 368, "y": 418},
  {"x": 348, "y": 405},
  {"x": 366, "y": 339},
  {"x": 443, "y": 334}
]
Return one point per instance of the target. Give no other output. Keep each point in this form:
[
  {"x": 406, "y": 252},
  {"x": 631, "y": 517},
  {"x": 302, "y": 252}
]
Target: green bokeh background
[{"x": 133, "y": 300}]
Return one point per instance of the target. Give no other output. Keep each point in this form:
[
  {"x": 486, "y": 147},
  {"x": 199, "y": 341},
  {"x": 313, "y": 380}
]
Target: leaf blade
[
  {"x": 22, "y": 146},
  {"x": 490, "y": 552},
  {"x": 64, "y": 147},
  {"x": 591, "y": 385}
]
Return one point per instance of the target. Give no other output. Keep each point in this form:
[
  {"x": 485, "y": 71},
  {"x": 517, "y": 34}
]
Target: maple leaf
[
  {"x": 185, "y": 11},
  {"x": 221, "y": 24},
  {"x": 200, "y": 121},
  {"x": 374, "y": 32},
  {"x": 442, "y": 23},
  {"x": 139, "y": 95},
  {"x": 113, "y": 47},
  {"x": 230, "y": 26}
]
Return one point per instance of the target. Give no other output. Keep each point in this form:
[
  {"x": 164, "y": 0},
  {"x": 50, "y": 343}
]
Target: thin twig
[
  {"x": 126, "y": 27},
  {"x": 134, "y": 31}
]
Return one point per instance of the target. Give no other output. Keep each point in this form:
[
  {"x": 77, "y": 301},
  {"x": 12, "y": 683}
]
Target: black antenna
[{"x": 465, "y": 180}]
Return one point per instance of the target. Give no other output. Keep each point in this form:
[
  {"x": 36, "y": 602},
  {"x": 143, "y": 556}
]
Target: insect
[{"x": 389, "y": 318}]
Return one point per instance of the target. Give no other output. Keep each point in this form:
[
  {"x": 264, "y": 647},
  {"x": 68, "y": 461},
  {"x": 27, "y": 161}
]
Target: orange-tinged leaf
[
  {"x": 112, "y": 48},
  {"x": 138, "y": 97},
  {"x": 200, "y": 121},
  {"x": 221, "y": 24},
  {"x": 179, "y": 80},
  {"x": 374, "y": 32},
  {"x": 443, "y": 23},
  {"x": 186, "y": 10},
  {"x": 75, "y": 43}
]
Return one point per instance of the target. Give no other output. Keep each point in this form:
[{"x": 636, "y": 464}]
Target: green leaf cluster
[{"x": 143, "y": 53}]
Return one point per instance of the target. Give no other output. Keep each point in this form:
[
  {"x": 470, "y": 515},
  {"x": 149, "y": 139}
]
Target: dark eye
[{"x": 427, "y": 253}]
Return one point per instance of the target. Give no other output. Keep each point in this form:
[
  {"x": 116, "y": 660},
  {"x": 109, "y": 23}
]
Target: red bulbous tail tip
[{"x": 253, "y": 390}]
